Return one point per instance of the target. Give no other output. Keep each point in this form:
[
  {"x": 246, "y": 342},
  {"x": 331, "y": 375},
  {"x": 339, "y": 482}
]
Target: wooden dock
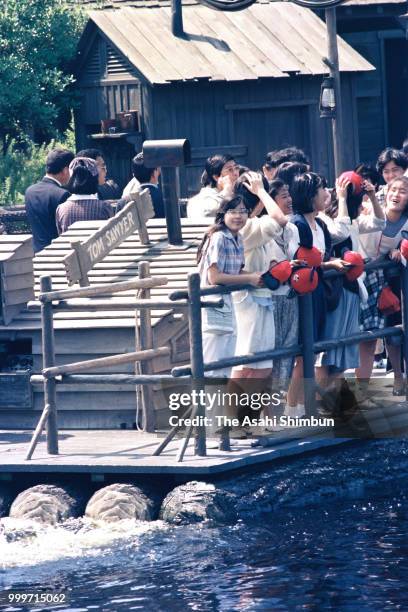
[{"x": 129, "y": 452}]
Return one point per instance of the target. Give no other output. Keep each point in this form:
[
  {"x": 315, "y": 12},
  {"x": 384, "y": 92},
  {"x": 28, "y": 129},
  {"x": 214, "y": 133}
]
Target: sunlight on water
[
  {"x": 323, "y": 532},
  {"x": 25, "y": 543}
]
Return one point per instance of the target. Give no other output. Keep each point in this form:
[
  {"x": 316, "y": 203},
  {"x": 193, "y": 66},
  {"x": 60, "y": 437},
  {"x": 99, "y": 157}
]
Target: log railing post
[
  {"x": 146, "y": 342},
  {"x": 48, "y": 349},
  {"x": 197, "y": 367}
]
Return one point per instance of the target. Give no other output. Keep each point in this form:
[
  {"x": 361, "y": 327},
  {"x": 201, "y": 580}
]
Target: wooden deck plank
[
  {"x": 130, "y": 452},
  {"x": 117, "y": 451}
]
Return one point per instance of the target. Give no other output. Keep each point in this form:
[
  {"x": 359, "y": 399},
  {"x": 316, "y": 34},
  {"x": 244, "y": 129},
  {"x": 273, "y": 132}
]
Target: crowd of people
[
  {"x": 277, "y": 231},
  {"x": 75, "y": 188}
]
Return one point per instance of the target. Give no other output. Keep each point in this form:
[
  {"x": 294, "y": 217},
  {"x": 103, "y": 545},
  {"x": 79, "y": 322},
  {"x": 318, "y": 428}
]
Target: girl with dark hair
[
  {"x": 254, "y": 309},
  {"x": 83, "y": 203},
  {"x": 379, "y": 245},
  {"x": 279, "y": 191},
  {"x": 345, "y": 209},
  {"x": 287, "y": 172},
  {"x": 369, "y": 173},
  {"x": 218, "y": 179},
  {"x": 309, "y": 199},
  {"x": 286, "y": 312},
  {"x": 221, "y": 262},
  {"x": 391, "y": 164}
]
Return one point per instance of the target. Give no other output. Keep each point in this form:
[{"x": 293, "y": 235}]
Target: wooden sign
[{"x": 86, "y": 254}]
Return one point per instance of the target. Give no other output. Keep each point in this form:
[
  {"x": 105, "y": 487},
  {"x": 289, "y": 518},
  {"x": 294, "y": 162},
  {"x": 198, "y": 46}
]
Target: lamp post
[{"x": 332, "y": 61}]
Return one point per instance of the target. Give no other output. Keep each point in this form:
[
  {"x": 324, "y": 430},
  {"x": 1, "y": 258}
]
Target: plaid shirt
[
  {"x": 226, "y": 251},
  {"x": 78, "y": 208}
]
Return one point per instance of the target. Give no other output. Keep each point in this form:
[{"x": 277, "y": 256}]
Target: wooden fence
[{"x": 195, "y": 370}]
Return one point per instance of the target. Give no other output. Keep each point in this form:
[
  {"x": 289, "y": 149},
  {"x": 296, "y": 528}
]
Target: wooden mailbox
[{"x": 85, "y": 255}]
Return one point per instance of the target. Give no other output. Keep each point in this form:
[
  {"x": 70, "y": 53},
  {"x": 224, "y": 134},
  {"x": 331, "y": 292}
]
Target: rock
[
  {"x": 195, "y": 502},
  {"x": 44, "y": 503},
  {"x": 119, "y": 502}
]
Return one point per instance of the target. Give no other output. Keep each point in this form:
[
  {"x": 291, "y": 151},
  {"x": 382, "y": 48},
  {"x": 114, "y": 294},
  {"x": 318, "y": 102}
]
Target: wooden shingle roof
[
  {"x": 108, "y": 4},
  {"x": 265, "y": 40}
]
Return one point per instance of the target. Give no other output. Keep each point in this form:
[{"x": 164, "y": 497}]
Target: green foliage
[
  {"x": 24, "y": 164},
  {"x": 37, "y": 45}
]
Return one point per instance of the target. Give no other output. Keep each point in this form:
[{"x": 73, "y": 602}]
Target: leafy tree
[
  {"x": 38, "y": 40},
  {"x": 21, "y": 166}
]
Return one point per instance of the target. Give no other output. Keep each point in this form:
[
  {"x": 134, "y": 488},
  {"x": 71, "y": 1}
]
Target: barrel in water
[
  {"x": 120, "y": 501},
  {"x": 194, "y": 502},
  {"x": 46, "y": 504}
]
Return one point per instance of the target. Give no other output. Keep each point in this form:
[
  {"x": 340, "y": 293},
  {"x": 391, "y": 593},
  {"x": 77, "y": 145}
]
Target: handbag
[
  {"x": 218, "y": 320},
  {"x": 388, "y": 303}
]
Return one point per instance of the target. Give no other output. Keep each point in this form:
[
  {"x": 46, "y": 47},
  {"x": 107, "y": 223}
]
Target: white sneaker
[
  {"x": 290, "y": 411},
  {"x": 300, "y": 411}
]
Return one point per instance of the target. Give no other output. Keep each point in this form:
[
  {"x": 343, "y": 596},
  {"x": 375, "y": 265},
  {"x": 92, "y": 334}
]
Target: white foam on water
[{"x": 29, "y": 550}]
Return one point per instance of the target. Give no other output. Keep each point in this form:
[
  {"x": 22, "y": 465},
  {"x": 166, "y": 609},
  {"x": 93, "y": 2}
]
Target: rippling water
[{"x": 323, "y": 533}]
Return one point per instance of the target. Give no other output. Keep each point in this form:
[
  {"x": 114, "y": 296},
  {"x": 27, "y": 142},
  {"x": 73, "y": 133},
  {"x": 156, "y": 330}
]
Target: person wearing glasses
[
  {"x": 218, "y": 180},
  {"x": 255, "y": 308},
  {"x": 221, "y": 260}
]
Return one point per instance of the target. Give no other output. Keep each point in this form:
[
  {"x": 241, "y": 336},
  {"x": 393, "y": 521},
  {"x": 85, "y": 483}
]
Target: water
[{"x": 327, "y": 532}]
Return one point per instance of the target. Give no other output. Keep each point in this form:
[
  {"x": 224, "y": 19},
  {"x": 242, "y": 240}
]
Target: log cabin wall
[
  {"x": 108, "y": 84},
  {"x": 247, "y": 119},
  {"x": 376, "y": 30}
]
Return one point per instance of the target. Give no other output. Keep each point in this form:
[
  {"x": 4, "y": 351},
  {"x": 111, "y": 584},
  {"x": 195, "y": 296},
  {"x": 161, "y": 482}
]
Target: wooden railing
[{"x": 195, "y": 371}]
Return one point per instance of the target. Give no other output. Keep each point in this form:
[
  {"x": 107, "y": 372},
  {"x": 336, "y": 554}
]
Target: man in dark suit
[{"x": 43, "y": 198}]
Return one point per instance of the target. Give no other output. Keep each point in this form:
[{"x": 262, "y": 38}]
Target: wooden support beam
[
  {"x": 135, "y": 283},
  {"x": 145, "y": 337},
  {"x": 197, "y": 367},
  {"x": 101, "y": 362},
  {"x": 38, "y": 431},
  {"x": 94, "y": 305},
  {"x": 112, "y": 379},
  {"x": 48, "y": 350}
]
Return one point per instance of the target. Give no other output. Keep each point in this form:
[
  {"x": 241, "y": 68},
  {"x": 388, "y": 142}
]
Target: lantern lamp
[{"x": 327, "y": 105}]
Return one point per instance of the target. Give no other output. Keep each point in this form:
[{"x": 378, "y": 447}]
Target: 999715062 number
[{"x": 32, "y": 597}]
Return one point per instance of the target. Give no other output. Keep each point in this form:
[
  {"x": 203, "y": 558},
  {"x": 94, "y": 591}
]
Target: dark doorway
[{"x": 396, "y": 74}]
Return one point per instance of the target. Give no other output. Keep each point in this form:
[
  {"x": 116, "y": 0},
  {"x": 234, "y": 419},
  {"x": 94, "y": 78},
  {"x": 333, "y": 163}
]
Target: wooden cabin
[
  {"x": 377, "y": 29},
  {"x": 239, "y": 82}
]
